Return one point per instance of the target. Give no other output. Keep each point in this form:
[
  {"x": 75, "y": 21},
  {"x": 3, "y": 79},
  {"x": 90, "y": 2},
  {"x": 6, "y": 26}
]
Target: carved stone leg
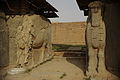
[
  {"x": 103, "y": 73},
  {"x": 19, "y": 56},
  {"x": 26, "y": 54},
  {"x": 41, "y": 59},
  {"x": 92, "y": 63},
  {"x": 21, "y": 60},
  {"x": 101, "y": 65},
  {"x": 32, "y": 63},
  {"x": 50, "y": 52},
  {"x": 42, "y": 54}
]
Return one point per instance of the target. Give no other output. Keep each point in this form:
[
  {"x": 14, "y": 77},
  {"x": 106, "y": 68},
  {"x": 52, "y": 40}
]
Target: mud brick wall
[{"x": 71, "y": 33}]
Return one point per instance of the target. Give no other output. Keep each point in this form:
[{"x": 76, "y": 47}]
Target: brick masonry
[{"x": 70, "y": 33}]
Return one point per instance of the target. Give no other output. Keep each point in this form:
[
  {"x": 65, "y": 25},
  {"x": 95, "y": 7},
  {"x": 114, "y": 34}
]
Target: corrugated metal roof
[
  {"x": 44, "y": 5},
  {"x": 83, "y": 4},
  {"x": 41, "y": 7}
]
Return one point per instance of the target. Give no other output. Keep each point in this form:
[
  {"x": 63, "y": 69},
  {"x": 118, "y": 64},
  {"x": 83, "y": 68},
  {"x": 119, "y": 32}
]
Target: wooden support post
[{"x": 4, "y": 41}]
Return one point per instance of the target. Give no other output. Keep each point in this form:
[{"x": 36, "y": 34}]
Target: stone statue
[
  {"x": 33, "y": 34},
  {"x": 42, "y": 38},
  {"x": 24, "y": 42},
  {"x": 95, "y": 38}
]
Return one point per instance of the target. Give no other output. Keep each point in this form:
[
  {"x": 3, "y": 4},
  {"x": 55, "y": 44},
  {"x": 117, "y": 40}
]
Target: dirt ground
[
  {"x": 59, "y": 68},
  {"x": 56, "y": 69}
]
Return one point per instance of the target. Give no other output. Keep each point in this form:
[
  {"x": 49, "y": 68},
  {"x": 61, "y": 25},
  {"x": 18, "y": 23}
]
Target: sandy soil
[
  {"x": 60, "y": 68},
  {"x": 57, "y": 69}
]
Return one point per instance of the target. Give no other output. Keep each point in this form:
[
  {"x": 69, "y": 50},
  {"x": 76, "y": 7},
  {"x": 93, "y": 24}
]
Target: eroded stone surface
[
  {"x": 95, "y": 37},
  {"x": 30, "y": 40}
]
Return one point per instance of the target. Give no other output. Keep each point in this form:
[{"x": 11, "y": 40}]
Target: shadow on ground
[{"x": 80, "y": 59}]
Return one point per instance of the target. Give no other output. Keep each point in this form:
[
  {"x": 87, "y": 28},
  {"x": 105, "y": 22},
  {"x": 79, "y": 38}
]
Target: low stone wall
[{"x": 29, "y": 38}]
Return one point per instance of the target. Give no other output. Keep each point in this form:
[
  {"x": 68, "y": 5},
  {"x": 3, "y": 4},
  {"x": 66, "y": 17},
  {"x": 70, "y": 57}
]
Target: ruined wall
[
  {"x": 112, "y": 21},
  {"x": 42, "y": 27},
  {"x": 72, "y": 33}
]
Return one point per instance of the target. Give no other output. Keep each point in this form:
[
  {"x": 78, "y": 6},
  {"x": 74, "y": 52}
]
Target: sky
[{"x": 68, "y": 11}]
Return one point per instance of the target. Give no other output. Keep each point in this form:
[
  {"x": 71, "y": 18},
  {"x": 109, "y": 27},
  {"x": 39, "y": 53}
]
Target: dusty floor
[{"x": 57, "y": 69}]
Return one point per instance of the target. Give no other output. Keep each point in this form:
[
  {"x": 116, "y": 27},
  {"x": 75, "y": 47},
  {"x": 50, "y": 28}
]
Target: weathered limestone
[
  {"x": 13, "y": 22},
  {"x": 24, "y": 42},
  {"x": 95, "y": 37},
  {"x": 30, "y": 38},
  {"x": 42, "y": 37}
]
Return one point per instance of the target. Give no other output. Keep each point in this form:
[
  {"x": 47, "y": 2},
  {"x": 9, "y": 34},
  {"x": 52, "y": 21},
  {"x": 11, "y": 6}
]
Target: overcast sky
[{"x": 68, "y": 11}]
